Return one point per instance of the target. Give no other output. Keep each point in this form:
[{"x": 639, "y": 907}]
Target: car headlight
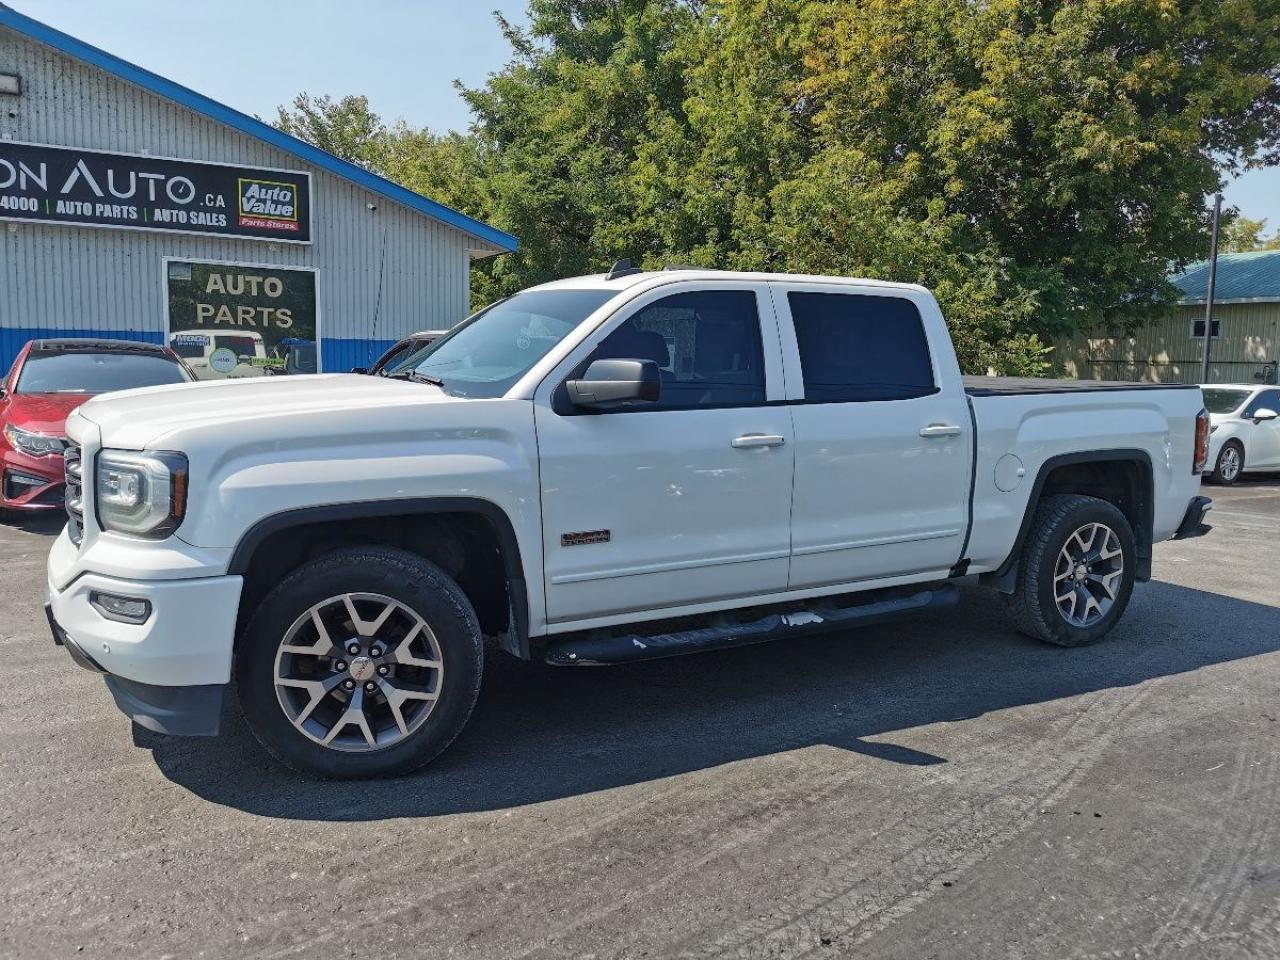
[
  {"x": 32, "y": 444},
  {"x": 143, "y": 494}
]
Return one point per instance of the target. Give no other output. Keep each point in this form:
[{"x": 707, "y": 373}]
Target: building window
[{"x": 1197, "y": 329}]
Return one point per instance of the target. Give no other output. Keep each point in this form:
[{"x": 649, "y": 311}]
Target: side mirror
[
  {"x": 359, "y": 369},
  {"x": 610, "y": 383},
  {"x": 1262, "y": 413}
]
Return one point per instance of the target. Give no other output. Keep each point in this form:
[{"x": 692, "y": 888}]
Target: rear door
[
  {"x": 883, "y": 435},
  {"x": 682, "y": 501}
]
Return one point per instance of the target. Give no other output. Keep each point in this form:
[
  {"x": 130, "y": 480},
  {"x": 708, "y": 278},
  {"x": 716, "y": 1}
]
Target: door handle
[
  {"x": 757, "y": 440},
  {"x": 940, "y": 430}
]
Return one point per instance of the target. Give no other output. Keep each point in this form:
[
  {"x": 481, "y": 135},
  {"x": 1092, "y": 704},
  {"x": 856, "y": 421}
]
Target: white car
[
  {"x": 1245, "y": 431},
  {"x": 593, "y": 471}
]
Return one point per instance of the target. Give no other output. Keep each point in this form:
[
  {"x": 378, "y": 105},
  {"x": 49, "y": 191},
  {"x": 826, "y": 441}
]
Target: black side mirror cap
[{"x": 611, "y": 383}]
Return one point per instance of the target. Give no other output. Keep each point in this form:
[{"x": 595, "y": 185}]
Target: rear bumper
[{"x": 1193, "y": 524}]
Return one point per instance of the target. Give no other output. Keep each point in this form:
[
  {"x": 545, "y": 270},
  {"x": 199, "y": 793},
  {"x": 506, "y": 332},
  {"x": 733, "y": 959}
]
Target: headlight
[
  {"x": 144, "y": 494},
  {"x": 32, "y": 444}
]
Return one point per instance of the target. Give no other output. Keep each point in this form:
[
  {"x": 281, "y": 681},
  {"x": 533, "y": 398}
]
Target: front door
[{"x": 682, "y": 501}]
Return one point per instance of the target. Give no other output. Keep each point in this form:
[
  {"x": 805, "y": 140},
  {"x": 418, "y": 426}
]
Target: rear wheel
[
  {"x": 1076, "y": 572},
  {"x": 1230, "y": 463},
  {"x": 365, "y": 662}
]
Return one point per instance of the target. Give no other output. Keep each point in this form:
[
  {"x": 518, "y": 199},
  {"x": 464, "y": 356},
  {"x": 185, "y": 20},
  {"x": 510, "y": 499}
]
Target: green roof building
[{"x": 1246, "y": 331}]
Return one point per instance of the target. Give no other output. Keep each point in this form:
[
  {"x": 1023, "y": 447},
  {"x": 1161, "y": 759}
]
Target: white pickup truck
[{"x": 592, "y": 471}]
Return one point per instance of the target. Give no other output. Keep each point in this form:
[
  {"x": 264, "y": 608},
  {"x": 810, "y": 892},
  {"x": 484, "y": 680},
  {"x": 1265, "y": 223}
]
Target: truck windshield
[
  {"x": 485, "y": 355},
  {"x": 1219, "y": 400}
]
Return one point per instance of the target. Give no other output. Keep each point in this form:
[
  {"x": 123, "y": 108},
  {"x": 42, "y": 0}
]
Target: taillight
[{"x": 1202, "y": 442}]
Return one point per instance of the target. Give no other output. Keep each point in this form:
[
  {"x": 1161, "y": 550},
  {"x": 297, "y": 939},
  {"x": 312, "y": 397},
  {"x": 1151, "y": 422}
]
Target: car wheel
[
  {"x": 1076, "y": 572},
  {"x": 365, "y": 662},
  {"x": 1230, "y": 463}
]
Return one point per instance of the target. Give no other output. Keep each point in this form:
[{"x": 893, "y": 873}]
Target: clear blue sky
[{"x": 403, "y": 54}]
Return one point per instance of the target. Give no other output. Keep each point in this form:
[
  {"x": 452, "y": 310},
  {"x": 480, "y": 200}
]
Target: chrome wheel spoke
[
  {"x": 405, "y": 656},
  {"x": 316, "y": 689},
  {"x": 353, "y": 714},
  {"x": 367, "y": 628},
  {"x": 323, "y": 644},
  {"x": 398, "y": 695}
]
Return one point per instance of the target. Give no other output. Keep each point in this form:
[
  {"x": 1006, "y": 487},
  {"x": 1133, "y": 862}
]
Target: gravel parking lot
[{"x": 939, "y": 788}]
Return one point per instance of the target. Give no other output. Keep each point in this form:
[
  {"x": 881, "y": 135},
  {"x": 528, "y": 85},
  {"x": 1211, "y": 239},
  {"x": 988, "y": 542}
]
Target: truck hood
[{"x": 136, "y": 419}]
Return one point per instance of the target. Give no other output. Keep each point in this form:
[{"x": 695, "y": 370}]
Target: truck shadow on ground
[{"x": 541, "y": 733}]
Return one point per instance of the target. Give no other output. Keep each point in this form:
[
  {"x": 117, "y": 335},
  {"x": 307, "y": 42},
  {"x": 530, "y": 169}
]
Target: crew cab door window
[
  {"x": 856, "y": 348},
  {"x": 706, "y": 344}
]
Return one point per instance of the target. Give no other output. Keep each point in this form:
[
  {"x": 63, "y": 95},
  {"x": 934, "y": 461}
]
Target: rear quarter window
[{"x": 857, "y": 347}]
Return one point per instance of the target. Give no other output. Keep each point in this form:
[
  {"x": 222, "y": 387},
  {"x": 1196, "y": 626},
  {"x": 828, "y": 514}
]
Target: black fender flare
[
  {"x": 1003, "y": 577},
  {"x": 517, "y": 639}
]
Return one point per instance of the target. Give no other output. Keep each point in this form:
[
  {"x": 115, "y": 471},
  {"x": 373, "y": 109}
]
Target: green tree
[
  {"x": 1040, "y": 164},
  {"x": 1242, "y": 235},
  {"x": 347, "y": 128}
]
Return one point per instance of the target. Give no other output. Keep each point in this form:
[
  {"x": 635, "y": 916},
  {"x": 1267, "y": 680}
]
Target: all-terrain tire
[
  {"x": 405, "y": 577},
  {"x": 1033, "y": 604}
]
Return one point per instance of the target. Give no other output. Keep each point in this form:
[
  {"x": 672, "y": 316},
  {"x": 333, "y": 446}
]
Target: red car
[{"x": 49, "y": 379}]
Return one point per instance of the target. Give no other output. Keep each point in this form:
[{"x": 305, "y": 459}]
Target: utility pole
[{"x": 1213, "y": 276}]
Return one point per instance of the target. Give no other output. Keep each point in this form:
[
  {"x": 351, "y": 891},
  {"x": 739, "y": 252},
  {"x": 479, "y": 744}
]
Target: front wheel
[
  {"x": 1076, "y": 572},
  {"x": 365, "y": 662}
]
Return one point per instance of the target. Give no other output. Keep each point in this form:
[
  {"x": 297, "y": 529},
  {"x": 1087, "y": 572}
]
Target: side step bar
[{"x": 598, "y": 648}]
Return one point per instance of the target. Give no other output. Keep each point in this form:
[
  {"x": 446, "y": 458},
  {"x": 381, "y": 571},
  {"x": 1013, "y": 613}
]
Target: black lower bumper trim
[
  {"x": 1193, "y": 524},
  {"x": 194, "y": 711}
]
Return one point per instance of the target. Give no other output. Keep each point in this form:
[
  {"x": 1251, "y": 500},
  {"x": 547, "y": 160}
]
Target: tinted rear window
[
  {"x": 1220, "y": 400},
  {"x": 857, "y": 347},
  {"x": 85, "y": 372}
]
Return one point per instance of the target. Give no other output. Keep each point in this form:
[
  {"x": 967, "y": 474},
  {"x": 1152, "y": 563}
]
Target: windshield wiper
[{"x": 417, "y": 377}]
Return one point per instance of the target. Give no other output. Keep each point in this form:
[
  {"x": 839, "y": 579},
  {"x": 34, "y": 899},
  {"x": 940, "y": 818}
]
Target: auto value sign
[{"x": 98, "y": 189}]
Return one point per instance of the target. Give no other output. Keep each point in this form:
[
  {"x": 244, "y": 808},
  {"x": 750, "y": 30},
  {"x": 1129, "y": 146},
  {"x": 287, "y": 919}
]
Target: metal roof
[
  {"x": 1242, "y": 278},
  {"x": 251, "y": 126}
]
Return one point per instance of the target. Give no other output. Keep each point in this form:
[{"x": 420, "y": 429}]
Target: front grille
[{"x": 74, "y": 498}]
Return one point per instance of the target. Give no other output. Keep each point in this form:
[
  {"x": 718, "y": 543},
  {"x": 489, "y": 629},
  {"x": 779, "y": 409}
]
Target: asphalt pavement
[{"x": 941, "y": 787}]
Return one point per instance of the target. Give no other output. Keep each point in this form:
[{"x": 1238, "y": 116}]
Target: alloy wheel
[
  {"x": 1229, "y": 463},
  {"x": 1088, "y": 574},
  {"x": 358, "y": 672}
]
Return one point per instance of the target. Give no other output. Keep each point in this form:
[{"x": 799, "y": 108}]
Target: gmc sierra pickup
[{"x": 596, "y": 470}]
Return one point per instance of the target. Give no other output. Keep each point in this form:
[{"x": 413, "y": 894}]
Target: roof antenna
[{"x": 623, "y": 268}]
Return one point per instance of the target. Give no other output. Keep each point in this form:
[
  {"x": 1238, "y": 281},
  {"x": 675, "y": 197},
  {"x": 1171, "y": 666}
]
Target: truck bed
[{"x": 1014, "y": 386}]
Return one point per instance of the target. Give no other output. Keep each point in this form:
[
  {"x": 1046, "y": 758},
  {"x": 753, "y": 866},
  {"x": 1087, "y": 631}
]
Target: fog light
[
  {"x": 26, "y": 480},
  {"x": 123, "y": 609}
]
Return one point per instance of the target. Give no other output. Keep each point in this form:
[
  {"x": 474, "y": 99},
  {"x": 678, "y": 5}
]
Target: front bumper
[
  {"x": 190, "y": 711},
  {"x": 30, "y": 483},
  {"x": 168, "y": 673}
]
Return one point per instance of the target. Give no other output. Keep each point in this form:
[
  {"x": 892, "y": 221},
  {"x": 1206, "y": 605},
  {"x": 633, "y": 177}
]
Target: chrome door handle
[
  {"x": 757, "y": 440},
  {"x": 940, "y": 430}
]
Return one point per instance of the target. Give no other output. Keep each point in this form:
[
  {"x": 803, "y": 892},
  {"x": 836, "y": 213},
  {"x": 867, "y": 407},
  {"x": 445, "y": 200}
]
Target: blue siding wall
[{"x": 338, "y": 354}]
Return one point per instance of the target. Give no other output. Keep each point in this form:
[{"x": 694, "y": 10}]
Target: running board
[{"x": 598, "y": 648}]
